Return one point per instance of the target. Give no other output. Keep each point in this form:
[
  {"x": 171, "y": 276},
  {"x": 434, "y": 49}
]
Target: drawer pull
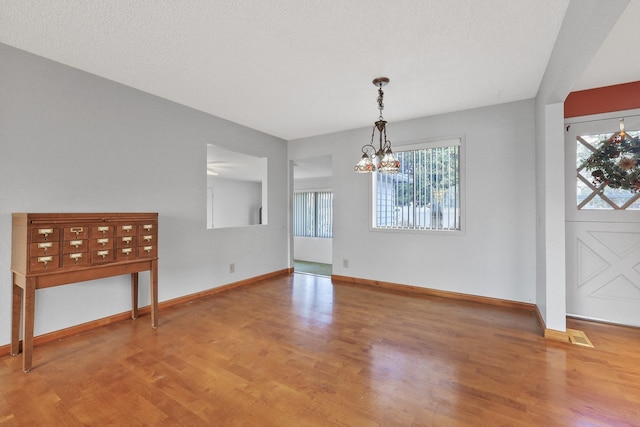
[
  {"x": 103, "y": 254},
  {"x": 126, "y": 240},
  {"x": 76, "y": 230},
  {"x": 148, "y": 227},
  {"x": 127, "y": 251},
  {"x": 148, "y": 238},
  {"x": 45, "y": 260},
  {"x": 75, "y": 257},
  {"x": 45, "y": 232},
  {"x": 45, "y": 246},
  {"x": 75, "y": 243},
  {"x": 127, "y": 228},
  {"x": 103, "y": 242},
  {"x": 148, "y": 249},
  {"x": 103, "y": 229}
]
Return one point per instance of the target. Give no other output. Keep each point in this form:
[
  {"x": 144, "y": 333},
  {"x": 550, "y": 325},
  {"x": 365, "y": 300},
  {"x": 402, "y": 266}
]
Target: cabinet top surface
[{"x": 86, "y": 216}]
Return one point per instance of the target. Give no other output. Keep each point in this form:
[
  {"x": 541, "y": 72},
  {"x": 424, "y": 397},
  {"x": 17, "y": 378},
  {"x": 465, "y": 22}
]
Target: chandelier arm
[
  {"x": 366, "y": 146},
  {"x": 387, "y": 143}
]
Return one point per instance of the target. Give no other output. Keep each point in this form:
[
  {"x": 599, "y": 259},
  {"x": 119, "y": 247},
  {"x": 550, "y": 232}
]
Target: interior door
[{"x": 602, "y": 223}]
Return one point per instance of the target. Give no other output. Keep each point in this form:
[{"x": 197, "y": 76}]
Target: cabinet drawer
[
  {"x": 43, "y": 249},
  {"x": 44, "y": 263},
  {"x": 101, "y": 243},
  {"x": 75, "y": 245},
  {"x": 148, "y": 251},
  {"x": 147, "y": 239},
  {"x": 101, "y": 256},
  {"x": 148, "y": 228},
  {"x": 77, "y": 259},
  {"x": 123, "y": 254},
  {"x": 98, "y": 231},
  {"x": 126, "y": 242},
  {"x": 126, "y": 230},
  {"x": 45, "y": 234},
  {"x": 74, "y": 233}
]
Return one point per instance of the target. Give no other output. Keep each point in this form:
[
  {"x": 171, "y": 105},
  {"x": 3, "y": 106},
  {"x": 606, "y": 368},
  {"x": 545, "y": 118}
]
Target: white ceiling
[
  {"x": 295, "y": 68},
  {"x": 233, "y": 165}
]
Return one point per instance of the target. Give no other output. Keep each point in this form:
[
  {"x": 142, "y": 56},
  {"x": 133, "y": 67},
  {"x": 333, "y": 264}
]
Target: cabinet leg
[
  {"x": 29, "y": 303},
  {"x": 16, "y": 308},
  {"x": 134, "y": 295},
  {"x": 153, "y": 285}
]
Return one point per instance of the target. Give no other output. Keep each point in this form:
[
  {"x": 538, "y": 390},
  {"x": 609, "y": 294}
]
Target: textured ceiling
[
  {"x": 617, "y": 60},
  {"x": 295, "y": 68}
]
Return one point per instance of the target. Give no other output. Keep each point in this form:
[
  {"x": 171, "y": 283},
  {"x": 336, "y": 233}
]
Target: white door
[{"x": 603, "y": 223}]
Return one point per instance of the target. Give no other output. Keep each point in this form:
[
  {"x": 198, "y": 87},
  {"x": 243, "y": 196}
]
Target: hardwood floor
[{"x": 301, "y": 351}]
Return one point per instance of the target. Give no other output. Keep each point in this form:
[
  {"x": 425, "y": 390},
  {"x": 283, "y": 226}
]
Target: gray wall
[
  {"x": 74, "y": 142},
  {"x": 494, "y": 256},
  {"x": 235, "y": 203}
]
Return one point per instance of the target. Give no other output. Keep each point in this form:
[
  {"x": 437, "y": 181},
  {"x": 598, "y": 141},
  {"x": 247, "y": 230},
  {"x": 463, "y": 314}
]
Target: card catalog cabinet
[{"x": 60, "y": 248}]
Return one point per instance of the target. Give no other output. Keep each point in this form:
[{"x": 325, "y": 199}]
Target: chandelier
[{"x": 386, "y": 161}]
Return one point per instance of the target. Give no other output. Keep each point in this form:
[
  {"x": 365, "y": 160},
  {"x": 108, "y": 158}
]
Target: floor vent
[{"x": 578, "y": 338}]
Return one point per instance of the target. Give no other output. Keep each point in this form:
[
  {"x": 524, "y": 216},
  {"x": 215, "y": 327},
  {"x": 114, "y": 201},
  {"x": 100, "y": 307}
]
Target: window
[
  {"x": 425, "y": 193},
  {"x": 313, "y": 214},
  {"x": 236, "y": 189},
  {"x": 608, "y": 174}
]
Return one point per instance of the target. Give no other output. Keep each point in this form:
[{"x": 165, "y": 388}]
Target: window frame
[
  {"x": 593, "y": 124},
  {"x": 417, "y": 144}
]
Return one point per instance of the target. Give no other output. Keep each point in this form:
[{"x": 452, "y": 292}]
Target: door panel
[
  {"x": 603, "y": 273},
  {"x": 602, "y": 246}
]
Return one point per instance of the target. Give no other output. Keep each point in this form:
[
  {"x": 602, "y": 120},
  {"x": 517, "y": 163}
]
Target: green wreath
[{"x": 616, "y": 162}]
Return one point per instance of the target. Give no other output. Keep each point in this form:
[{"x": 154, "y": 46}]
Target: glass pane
[
  {"x": 618, "y": 196},
  {"x": 324, "y": 214},
  {"x": 582, "y": 152},
  {"x": 635, "y": 205},
  {"x": 424, "y": 194},
  {"x": 597, "y": 203},
  {"x": 303, "y": 214},
  {"x": 609, "y": 161}
]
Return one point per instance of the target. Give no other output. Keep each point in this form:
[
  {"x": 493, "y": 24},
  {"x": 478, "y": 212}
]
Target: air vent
[{"x": 578, "y": 338}]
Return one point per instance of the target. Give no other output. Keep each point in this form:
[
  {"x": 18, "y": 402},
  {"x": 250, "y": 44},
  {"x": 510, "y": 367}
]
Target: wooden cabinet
[{"x": 60, "y": 248}]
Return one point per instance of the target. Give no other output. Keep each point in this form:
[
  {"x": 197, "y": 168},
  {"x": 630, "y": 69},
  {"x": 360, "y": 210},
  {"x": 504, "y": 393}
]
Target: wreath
[{"x": 616, "y": 162}]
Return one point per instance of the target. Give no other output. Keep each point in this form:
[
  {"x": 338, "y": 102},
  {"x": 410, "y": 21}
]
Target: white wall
[
  {"x": 495, "y": 256},
  {"x": 235, "y": 203},
  {"x": 324, "y": 183},
  {"x": 74, "y": 142},
  {"x": 551, "y": 269},
  {"x": 313, "y": 249}
]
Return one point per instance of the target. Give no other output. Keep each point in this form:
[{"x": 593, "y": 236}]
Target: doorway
[
  {"x": 313, "y": 215},
  {"x": 602, "y": 222}
]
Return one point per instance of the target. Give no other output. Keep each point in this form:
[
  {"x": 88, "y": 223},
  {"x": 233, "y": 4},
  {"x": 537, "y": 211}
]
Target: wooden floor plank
[{"x": 300, "y": 350}]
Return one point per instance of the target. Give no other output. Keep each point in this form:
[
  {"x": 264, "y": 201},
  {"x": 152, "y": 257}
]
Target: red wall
[{"x": 620, "y": 97}]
